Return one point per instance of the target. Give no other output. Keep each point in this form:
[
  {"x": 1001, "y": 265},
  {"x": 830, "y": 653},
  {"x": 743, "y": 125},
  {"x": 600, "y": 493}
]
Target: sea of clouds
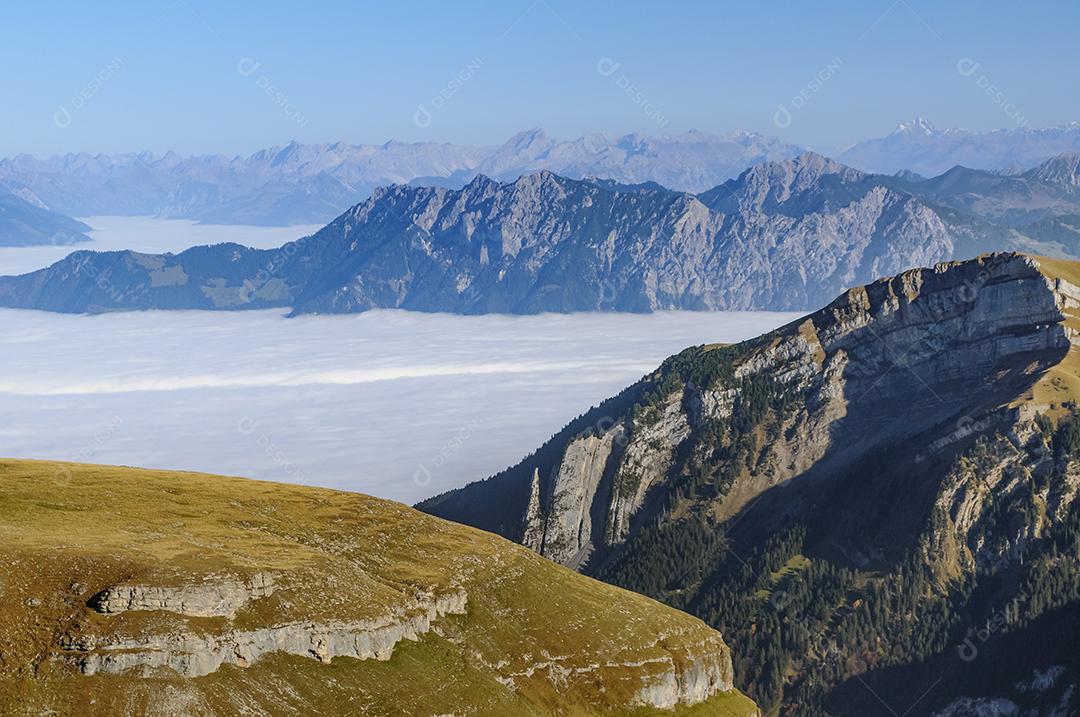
[
  {"x": 148, "y": 234},
  {"x": 392, "y": 403}
]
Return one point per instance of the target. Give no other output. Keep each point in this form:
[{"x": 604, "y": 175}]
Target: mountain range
[
  {"x": 876, "y": 504},
  {"x": 180, "y": 594},
  {"x": 312, "y": 183},
  {"x": 782, "y": 236},
  {"x": 918, "y": 146}
]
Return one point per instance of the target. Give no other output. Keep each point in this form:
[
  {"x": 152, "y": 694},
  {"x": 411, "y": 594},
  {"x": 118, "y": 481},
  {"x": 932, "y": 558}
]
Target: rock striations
[
  {"x": 914, "y": 438},
  {"x": 191, "y": 654}
]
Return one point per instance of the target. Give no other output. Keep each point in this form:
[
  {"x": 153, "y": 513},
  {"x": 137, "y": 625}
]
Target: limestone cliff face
[
  {"x": 568, "y": 528},
  {"x": 865, "y": 487},
  {"x": 532, "y": 534},
  {"x": 196, "y": 653},
  {"x": 890, "y": 360},
  {"x": 649, "y": 455},
  {"x": 214, "y": 598}
]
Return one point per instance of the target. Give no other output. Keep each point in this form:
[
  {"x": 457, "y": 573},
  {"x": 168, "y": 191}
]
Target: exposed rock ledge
[
  {"x": 704, "y": 676},
  {"x": 222, "y": 598},
  {"x": 676, "y": 678},
  {"x": 195, "y": 654}
]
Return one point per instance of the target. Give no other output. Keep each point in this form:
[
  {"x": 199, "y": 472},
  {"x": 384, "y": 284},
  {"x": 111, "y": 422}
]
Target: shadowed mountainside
[{"x": 864, "y": 488}]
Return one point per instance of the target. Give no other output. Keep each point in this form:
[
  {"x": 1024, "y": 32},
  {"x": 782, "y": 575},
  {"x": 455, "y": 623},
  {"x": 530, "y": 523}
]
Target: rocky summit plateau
[
  {"x": 129, "y": 592},
  {"x": 876, "y": 503}
]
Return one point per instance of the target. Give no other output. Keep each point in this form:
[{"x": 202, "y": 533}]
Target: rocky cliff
[
  {"x": 930, "y": 338},
  {"x": 140, "y": 592},
  {"x": 913, "y": 438}
]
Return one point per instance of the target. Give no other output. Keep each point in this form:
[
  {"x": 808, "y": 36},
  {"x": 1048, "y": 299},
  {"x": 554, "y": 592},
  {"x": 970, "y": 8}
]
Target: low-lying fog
[
  {"x": 148, "y": 234},
  {"x": 396, "y": 404}
]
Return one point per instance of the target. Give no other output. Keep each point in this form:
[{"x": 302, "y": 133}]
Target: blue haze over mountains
[{"x": 313, "y": 183}]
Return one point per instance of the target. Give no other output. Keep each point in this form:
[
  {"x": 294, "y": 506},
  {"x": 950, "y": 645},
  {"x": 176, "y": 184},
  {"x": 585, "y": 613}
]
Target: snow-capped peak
[{"x": 919, "y": 124}]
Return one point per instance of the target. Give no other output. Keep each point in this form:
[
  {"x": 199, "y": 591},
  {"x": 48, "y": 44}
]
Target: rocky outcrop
[
  {"x": 687, "y": 684},
  {"x": 648, "y": 456},
  {"x": 532, "y": 532},
  {"x": 194, "y": 654},
  {"x": 671, "y": 677},
  {"x": 212, "y": 598},
  {"x": 568, "y": 528}
]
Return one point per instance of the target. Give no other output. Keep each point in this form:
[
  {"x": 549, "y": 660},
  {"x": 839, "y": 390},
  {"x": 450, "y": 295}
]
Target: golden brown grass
[{"x": 69, "y": 530}]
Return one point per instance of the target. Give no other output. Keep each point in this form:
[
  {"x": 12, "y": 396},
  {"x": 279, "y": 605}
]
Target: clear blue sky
[{"x": 165, "y": 75}]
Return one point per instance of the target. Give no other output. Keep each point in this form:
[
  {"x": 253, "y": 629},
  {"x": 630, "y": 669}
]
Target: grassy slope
[
  {"x": 1061, "y": 383},
  {"x": 67, "y": 531}
]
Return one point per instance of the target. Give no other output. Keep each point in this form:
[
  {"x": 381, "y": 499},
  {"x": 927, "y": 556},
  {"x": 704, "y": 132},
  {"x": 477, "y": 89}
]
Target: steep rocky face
[
  {"x": 182, "y": 594},
  {"x": 216, "y": 598},
  {"x": 190, "y": 654},
  {"x": 782, "y": 236},
  {"x": 931, "y": 339},
  {"x": 905, "y": 450}
]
